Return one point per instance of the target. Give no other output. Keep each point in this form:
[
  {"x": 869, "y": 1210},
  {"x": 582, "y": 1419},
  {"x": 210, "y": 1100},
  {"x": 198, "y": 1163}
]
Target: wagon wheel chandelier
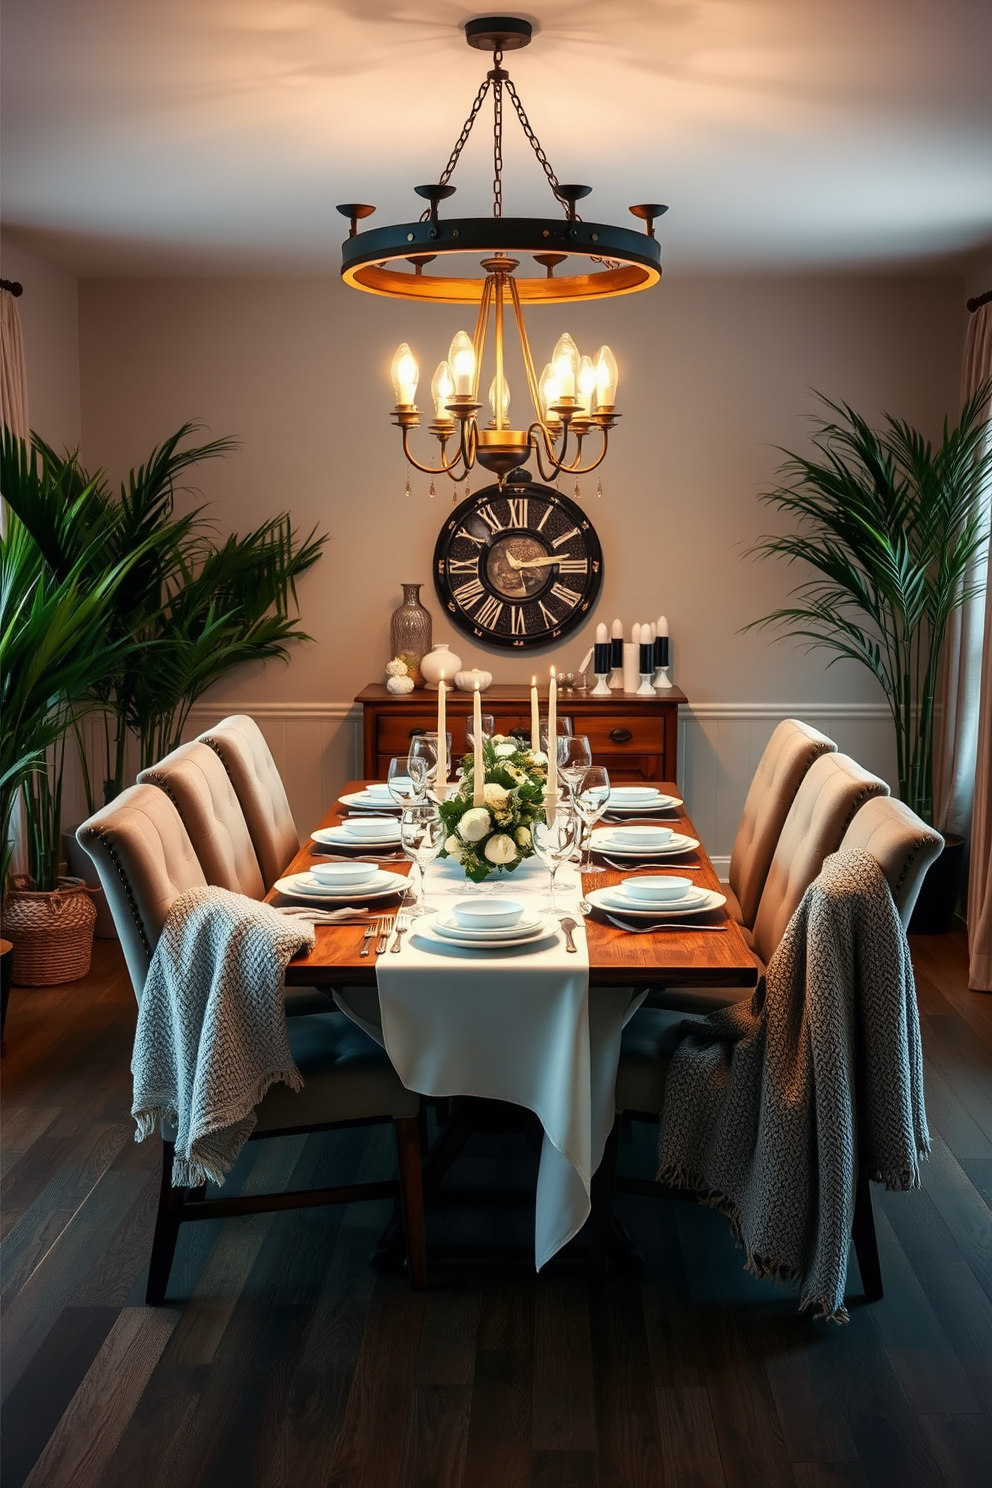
[{"x": 575, "y": 261}]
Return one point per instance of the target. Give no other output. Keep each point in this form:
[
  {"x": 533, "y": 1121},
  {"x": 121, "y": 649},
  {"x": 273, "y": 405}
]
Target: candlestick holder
[
  {"x": 661, "y": 679},
  {"x": 645, "y": 689}
]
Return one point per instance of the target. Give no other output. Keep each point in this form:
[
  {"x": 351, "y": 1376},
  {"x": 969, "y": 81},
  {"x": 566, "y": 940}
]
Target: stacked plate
[
  {"x": 364, "y": 833},
  {"x": 641, "y": 842},
  {"x": 306, "y": 886},
  {"x": 373, "y": 798},
  {"x": 640, "y": 800},
  {"x": 447, "y": 930},
  {"x": 617, "y": 900}
]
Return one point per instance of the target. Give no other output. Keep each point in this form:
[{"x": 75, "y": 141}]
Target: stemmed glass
[
  {"x": 404, "y": 789},
  {"x": 554, "y": 842},
  {"x": 422, "y": 835},
  {"x": 421, "y": 760},
  {"x": 488, "y": 729},
  {"x": 563, "y": 730},
  {"x": 590, "y": 797},
  {"x": 574, "y": 758}
]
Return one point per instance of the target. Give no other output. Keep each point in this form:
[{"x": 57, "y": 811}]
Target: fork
[
  {"x": 664, "y": 925},
  {"x": 370, "y": 930},
  {"x": 385, "y": 931},
  {"x": 402, "y": 926},
  {"x": 625, "y": 867}
]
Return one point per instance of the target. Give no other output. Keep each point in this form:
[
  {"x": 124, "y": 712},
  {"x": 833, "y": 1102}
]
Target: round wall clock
[{"x": 518, "y": 567}]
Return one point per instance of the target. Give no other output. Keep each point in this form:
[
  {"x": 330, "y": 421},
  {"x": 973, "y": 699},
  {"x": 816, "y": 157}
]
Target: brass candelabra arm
[
  {"x": 445, "y": 465},
  {"x": 576, "y": 467},
  {"x": 545, "y": 440}
]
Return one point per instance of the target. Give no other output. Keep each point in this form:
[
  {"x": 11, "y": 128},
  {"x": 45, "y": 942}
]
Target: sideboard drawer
[{"x": 623, "y": 733}]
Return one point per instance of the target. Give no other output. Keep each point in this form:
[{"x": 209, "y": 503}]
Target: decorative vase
[
  {"x": 410, "y": 631},
  {"x": 439, "y": 660},
  {"x": 468, "y": 681}
]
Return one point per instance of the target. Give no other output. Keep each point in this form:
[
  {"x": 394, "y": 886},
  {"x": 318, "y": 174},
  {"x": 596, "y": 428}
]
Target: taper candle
[
  {"x": 478, "y": 768},
  {"x": 661, "y": 642},
  {"x": 535, "y": 718},
  {"x": 616, "y": 638},
  {"x": 441, "y": 779},
  {"x": 553, "y": 738}
]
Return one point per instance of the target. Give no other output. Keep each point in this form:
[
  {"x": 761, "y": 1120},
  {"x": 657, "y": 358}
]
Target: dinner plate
[
  {"x": 312, "y": 885},
  {"x": 426, "y": 930},
  {"x": 613, "y": 903},
  {"x": 659, "y": 804},
  {"x": 381, "y": 888},
  {"x": 362, "y": 801},
  {"x": 451, "y": 929},
  {"x": 603, "y": 841},
  {"x": 339, "y": 837},
  {"x": 620, "y": 899}
]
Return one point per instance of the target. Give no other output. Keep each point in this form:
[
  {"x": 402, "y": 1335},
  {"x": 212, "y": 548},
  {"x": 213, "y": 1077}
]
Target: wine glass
[
  {"x": 574, "y": 758},
  {"x": 422, "y": 836},
  {"x": 422, "y": 758},
  {"x": 404, "y": 789},
  {"x": 554, "y": 842},
  {"x": 563, "y": 728},
  {"x": 488, "y": 729},
  {"x": 590, "y": 797}
]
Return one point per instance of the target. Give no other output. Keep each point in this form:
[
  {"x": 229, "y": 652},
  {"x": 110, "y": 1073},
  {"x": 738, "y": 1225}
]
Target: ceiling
[{"x": 216, "y": 136}]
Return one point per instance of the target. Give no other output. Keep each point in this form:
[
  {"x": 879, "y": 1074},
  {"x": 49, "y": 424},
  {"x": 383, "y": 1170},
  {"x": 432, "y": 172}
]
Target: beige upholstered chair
[
  {"x": 199, "y": 787},
  {"x": 781, "y": 770},
  {"x": 246, "y": 757},
  {"x": 145, "y": 861},
  {"x": 833, "y": 790},
  {"x": 902, "y": 845}
]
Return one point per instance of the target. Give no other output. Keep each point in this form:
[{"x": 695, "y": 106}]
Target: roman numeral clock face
[{"x": 519, "y": 567}]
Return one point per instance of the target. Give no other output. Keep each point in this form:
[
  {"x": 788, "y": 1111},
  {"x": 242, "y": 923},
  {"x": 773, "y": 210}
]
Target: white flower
[
  {"x": 495, "y": 796},
  {"x": 497, "y": 738},
  {"x": 500, "y": 849},
  {"x": 522, "y": 834},
  {"x": 474, "y": 824},
  {"x": 539, "y": 757},
  {"x": 453, "y": 848},
  {"x": 396, "y": 668},
  {"x": 503, "y": 751}
]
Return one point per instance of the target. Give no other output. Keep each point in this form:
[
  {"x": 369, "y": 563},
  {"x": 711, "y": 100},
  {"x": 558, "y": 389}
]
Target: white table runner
[{"x": 516, "y": 1025}]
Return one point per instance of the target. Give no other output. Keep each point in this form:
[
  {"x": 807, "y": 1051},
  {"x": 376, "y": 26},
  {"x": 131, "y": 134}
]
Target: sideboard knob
[{"x": 621, "y": 736}]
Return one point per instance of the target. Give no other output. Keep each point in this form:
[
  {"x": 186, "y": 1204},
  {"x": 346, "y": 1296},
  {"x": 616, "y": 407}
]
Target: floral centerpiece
[{"x": 497, "y": 835}]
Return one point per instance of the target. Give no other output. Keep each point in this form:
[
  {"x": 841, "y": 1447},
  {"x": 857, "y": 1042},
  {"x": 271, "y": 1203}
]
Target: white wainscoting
[{"x": 318, "y": 745}]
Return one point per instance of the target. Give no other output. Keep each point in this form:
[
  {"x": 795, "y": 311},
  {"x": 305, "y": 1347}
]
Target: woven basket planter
[{"x": 52, "y": 932}]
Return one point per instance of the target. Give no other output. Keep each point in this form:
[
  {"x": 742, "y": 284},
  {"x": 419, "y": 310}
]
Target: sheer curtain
[
  {"x": 14, "y": 410},
  {"x": 978, "y": 366}
]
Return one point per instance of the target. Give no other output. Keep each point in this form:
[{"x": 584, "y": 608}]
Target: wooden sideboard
[{"x": 635, "y": 738}]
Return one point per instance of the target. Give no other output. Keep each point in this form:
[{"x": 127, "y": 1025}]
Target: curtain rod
[
  {"x": 979, "y": 301},
  {"x": 12, "y": 286}
]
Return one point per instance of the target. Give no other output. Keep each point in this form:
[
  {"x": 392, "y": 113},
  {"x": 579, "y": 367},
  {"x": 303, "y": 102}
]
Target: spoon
[{"x": 568, "y": 925}]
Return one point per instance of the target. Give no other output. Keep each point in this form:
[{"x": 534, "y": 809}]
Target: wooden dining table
[{"x": 683, "y": 958}]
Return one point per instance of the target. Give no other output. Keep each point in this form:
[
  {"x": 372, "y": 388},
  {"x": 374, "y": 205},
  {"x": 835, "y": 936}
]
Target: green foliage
[
  {"x": 520, "y": 779},
  {"x": 891, "y": 527},
  {"x": 196, "y": 607}
]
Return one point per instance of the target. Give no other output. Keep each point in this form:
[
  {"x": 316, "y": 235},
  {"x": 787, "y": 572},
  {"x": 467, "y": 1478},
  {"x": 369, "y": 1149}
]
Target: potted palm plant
[
  {"x": 56, "y": 647},
  {"x": 890, "y": 524}
]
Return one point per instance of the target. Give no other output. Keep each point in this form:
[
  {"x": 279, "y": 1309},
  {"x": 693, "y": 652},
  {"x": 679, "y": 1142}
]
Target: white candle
[
  {"x": 616, "y": 632},
  {"x": 535, "y": 717},
  {"x": 602, "y": 634},
  {"x": 635, "y": 635},
  {"x": 652, "y": 633},
  {"x": 553, "y": 739},
  {"x": 441, "y": 783},
  {"x": 662, "y": 627},
  {"x": 478, "y": 769}
]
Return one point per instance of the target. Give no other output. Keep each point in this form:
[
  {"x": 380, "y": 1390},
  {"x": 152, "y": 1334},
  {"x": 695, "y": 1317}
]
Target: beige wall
[
  {"x": 49, "y": 321},
  {"x": 715, "y": 374}
]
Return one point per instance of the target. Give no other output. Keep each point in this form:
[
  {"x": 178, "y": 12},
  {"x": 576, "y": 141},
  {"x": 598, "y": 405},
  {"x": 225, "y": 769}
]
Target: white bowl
[
  {"x": 657, "y": 887},
  {"x": 642, "y": 836},
  {"x": 487, "y": 914},
  {"x": 379, "y": 790},
  {"x": 370, "y": 828},
  {"x": 633, "y": 795},
  {"x": 343, "y": 873}
]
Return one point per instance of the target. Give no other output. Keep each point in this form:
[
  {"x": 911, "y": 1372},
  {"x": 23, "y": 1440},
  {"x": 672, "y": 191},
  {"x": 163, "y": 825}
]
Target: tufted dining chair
[
  {"x": 241, "y": 746},
  {"x": 145, "y": 860},
  {"x": 788, "y": 755},
  {"x": 199, "y": 787},
  {"x": 904, "y": 847}
]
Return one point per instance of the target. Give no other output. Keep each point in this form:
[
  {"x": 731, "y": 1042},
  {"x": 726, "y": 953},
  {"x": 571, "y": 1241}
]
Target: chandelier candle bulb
[
  {"x": 535, "y": 717},
  {"x": 607, "y": 378},
  {"x": 565, "y": 365},
  {"x": 405, "y": 375},
  {"x": 461, "y": 364},
  {"x": 587, "y": 383},
  {"x": 478, "y": 768},
  {"x": 442, "y": 391}
]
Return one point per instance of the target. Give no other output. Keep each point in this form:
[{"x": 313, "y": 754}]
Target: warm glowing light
[
  {"x": 442, "y": 391},
  {"x": 565, "y": 361},
  {"x": 550, "y": 393},
  {"x": 405, "y": 374},
  {"x": 607, "y": 377},
  {"x": 461, "y": 364},
  {"x": 504, "y": 400},
  {"x": 587, "y": 382}
]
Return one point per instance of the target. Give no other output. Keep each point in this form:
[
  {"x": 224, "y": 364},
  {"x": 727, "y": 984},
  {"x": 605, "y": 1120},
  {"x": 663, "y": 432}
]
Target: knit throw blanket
[
  {"x": 762, "y": 1104},
  {"x": 211, "y": 1035}
]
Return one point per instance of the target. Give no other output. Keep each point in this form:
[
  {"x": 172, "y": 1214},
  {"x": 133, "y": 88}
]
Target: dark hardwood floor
[{"x": 285, "y": 1359}]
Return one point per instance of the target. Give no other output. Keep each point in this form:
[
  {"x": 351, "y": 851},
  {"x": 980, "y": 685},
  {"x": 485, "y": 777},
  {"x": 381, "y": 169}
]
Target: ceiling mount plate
[{"x": 498, "y": 33}]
